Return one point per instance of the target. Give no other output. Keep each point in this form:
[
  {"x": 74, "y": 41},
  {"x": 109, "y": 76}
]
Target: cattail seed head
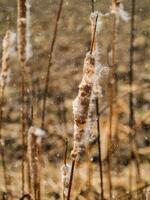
[
  {"x": 81, "y": 103},
  {"x": 8, "y": 46}
]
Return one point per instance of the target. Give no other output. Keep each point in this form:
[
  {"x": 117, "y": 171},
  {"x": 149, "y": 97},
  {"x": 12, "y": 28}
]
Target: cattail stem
[
  {"x": 93, "y": 36},
  {"x": 71, "y": 179},
  {"x": 65, "y": 164},
  {"x": 112, "y": 95},
  {"x": 92, "y": 5},
  {"x": 8, "y": 45},
  {"x": 90, "y": 171},
  {"x": 99, "y": 149},
  {"x": 131, "y": 105},
  {"x": 22, "y": 60},
  {"x": 34, "y": 159},
  {"x": 49, "y": 64},
  {"x": 66, "y": 150}
]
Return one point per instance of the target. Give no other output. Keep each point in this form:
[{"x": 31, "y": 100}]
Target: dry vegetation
[{"x": 74, "y": 100}]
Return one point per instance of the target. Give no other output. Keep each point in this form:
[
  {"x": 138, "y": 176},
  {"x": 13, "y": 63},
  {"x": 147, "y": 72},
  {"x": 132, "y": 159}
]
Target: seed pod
[{"x": 81, "y": 103}]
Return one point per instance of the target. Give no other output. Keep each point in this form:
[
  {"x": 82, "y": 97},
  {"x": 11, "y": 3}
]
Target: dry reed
[
  {"x": 131, "y": 105},
  {"x": 50, "y": 64},
  {"x": 34, "y": 147},
  {"x": 21, "y": 26},
  {"x": 8, "y": 49}
]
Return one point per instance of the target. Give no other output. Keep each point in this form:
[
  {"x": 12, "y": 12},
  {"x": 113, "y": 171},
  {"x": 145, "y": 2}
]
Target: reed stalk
[
  {"x": 21, "y": 25},
  {"x": 50, "y": 64},
  {"x": 64, "y": 170},
  {"x": 8, "y": 48},
  {"x": 33, "y": 152},
  {"x": 131, "y": 104},
  {"x": 131, "y": 62},
  {"x": 99, "y": 150}
]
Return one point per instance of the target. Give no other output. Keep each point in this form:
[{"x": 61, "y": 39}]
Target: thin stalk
[
  {"x": 23, "y": 132},
  {"x": 22, "y": 62},
  {"x": 112, "y": 98},
  {"x": 94, "y": 35},
  {"x": 131, "y": 106},
  {"x": 50, "y": 64},
  {"x": 99, "y": 149},
  {"x": 71, "y": 179},
  {"x": 65, "y": 162},
  {"x": 90, "y": 171},
  {"x": 48, "y": 72},
  {"x": 92, "y": 5},
  {"x": 66, "y": 150}
]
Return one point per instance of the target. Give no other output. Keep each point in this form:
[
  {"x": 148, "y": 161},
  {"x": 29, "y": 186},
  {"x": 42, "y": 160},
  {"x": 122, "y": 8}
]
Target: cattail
[
  {"x": 100, "y": 78},
  {"x": 80, "y": 111},
  {"x": 81, "y": 103},
  {"x": 66, "y": 169},
  {"x": 9, "y": 43},
  {"x": 22, "y": 31},
  {"x": 34, "y": 147},
  {"x": 8, "y": 47}
]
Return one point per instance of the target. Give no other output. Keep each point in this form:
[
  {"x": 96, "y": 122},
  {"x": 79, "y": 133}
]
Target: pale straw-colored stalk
[
  {"x": 8, "y": 48},
  {"x": 33, "y": 153}
]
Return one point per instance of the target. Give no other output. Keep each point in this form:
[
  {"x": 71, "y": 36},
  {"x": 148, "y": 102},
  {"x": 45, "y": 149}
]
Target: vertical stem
[
  {"x": 66, "y": 150},
  {"x": 90, "y": 171},
  {"x": 131, "y": 108},
  {"x": 92, "y": 5},
  {"x": 93, "y": 36},
  {"x": 71, "y": 179},
  {"x": 65, "y": 162},
  {"x": 49, "y": 65},
  {"x": 99, "y": 149},
  {"x": 22, "y": 62},
  {"x": 112, "y": 98}
]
